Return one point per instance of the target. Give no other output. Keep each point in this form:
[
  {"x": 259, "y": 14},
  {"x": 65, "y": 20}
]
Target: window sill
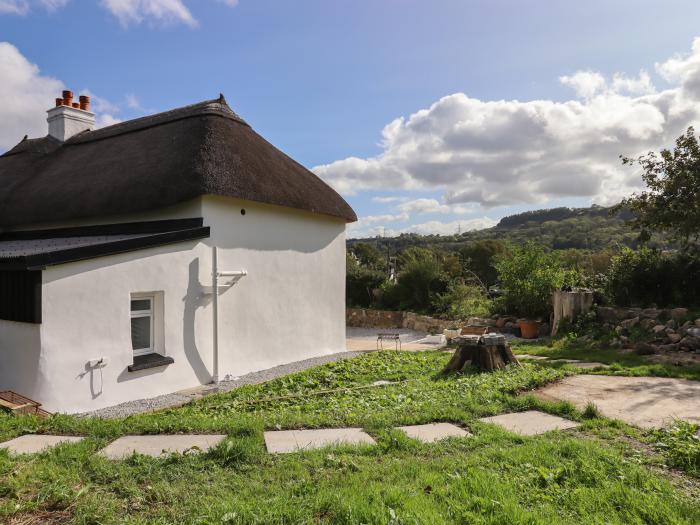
[{"x": 143, "y": 362}]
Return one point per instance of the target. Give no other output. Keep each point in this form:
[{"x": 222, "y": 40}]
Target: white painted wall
[{"x": 291, "y": 306}]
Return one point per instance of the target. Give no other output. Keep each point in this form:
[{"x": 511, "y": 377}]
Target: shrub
[
  {"x": 361, "y": 283},
  {"x": 528, "y": 276},
  {"x": 462, "y": 301},
  {"x": 646, "y": 276},
  {"x": 421, "y": 278}
]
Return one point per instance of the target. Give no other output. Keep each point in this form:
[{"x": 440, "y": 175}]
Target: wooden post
[
  {"x": 488, "y": 352},
  {"x": 569, "y": 305}
]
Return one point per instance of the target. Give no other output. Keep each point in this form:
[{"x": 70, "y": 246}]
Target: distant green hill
[{"x": 591, "y": 228}]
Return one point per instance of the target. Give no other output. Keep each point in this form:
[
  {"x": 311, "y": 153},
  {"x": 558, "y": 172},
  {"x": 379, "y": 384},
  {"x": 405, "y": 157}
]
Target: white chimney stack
[{"x": 69, "y": 118}]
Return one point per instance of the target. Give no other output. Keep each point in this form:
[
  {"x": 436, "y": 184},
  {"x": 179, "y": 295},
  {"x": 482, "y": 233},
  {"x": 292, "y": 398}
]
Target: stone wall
[{"x": 366, "y": 318}]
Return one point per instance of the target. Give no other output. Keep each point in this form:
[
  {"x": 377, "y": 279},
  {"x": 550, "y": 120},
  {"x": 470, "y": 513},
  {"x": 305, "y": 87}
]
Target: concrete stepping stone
[
  {"x": 434, "y": 432},
  {"x": 530, "y": 422},
  {"x": 35, "y": 443},
  {"x": 585, "y": 364},
  {"x": 159, "y": 444},
  {"x": 531, "y": 357},
  {"x": 285, "y": 441}
]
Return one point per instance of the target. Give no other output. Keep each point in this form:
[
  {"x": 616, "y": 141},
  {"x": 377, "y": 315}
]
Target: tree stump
[
  {"x": 488, "y": 352},
  {"x": 570, "y": 305}
]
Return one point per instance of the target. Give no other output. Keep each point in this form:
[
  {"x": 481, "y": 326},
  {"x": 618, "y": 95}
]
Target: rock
[
  {"x": 674, "y": 337},
  {"x": 647, "y": 323},
  {"x": 697, "y": 322},
  {"x": 678, "y": 314},
  {"x": 671, "y": 324},
  {"x": 644, "y": 349},
  {"x": 607, "y": 314},
  {"x": 668, "y": 348},
  {"x": 651, "y": 313},
  {"x": 690, "y": 342},
  {"x": 500, "y": 322},
  {"x": 658, "y": 329},
  {"x": 619, "y": 330},
  {"x": 630, "y": 323}
]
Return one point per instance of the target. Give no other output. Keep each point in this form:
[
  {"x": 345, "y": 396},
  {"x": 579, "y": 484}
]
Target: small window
[{"x": 142, "y": 324}]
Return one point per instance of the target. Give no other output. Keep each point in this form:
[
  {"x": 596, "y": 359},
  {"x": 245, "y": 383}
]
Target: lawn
[{"x": 599, "y": 473}]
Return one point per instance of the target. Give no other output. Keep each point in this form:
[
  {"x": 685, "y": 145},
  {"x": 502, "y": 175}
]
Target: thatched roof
[{"x": 153, "y": 162}]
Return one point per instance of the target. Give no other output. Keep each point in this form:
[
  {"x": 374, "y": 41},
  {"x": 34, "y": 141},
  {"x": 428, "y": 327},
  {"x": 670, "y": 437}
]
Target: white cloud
[
  {"x": 360, "y": 230},
  {"x": 423, "y": 206},
  {"x": 53, "y": 5},
  {"x": 31, "y": 95},
  {"x": 132, "y": 102},
  {"x": 157, "y": 11},
  {"x": 388, "y": 200},
  {"x": 22, "y": 7},
  {"x": 493, "y": 153}
]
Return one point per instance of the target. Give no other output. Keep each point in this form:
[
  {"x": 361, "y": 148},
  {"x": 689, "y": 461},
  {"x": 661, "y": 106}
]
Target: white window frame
[{"x": 150, "y": 313}]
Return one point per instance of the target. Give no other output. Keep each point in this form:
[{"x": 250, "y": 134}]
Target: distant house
[{"x": 110, "y": 240}]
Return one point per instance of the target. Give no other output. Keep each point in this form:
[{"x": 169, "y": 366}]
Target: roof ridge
[{"x": 217, "y": 106}]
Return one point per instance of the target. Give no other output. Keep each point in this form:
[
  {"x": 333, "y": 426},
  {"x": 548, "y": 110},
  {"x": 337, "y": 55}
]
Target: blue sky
[{"x": 506, "y": 105}]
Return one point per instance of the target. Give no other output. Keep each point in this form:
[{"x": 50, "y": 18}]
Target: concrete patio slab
[
  {"x": 530, "y": 422},
  {"x": 157, "y": 445},
  {"x": 285, "y": 441},
  {"x": 647, "y": 402},
  {"x": 35, "y": 443},
  {"x": 434, "y": 432}
]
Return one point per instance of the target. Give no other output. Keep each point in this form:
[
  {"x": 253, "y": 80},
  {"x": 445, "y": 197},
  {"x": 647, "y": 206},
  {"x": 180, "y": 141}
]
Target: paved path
[
  {"x": 530, "y": 422},
  {"x": 284, "y": 441},
  {"x": 647, "y": 402},
  {"x": 434, "y": 432},
  {"x": 35, "y": 443},
  {"x": 157, "y": 445}
]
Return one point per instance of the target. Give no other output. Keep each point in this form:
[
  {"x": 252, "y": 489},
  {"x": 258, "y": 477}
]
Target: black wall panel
[{"x": 20, "y": 296}]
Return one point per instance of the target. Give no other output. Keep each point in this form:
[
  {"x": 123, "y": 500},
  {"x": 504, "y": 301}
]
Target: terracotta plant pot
[{"x": 529, "y": 329}]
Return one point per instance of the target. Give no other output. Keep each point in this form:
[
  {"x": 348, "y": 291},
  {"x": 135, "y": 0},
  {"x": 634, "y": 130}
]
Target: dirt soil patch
[{"x": 647, "y": 402}]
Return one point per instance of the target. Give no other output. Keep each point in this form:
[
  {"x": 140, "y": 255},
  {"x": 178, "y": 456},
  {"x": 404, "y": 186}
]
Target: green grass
[
  {"x": 591, "y": 475},
  {"x": 621, "y": 362}
]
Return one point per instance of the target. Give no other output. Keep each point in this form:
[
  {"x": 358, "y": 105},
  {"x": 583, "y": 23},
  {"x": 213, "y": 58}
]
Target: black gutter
[
  {"x": 125, "y": 228},
  {"x": 41, "y": 261}
]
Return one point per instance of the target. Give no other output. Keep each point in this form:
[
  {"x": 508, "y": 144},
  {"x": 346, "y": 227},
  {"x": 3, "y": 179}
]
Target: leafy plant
[
  {"x": 528, "y": 276},
  {"x": 462, "y": 301},
  {"x": 681, "y": 444}
]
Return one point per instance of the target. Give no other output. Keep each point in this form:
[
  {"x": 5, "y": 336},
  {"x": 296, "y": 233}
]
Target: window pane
[
  {"x": 140, "y": 333},
  {"x": 140, "y": 305}
]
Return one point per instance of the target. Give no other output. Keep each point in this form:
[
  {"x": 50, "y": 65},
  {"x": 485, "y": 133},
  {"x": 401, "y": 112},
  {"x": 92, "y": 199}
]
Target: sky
[{"x": 427, "y": 116}]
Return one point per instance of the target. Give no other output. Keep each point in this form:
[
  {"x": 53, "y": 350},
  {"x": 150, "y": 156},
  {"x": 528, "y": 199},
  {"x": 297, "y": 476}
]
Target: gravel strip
[{"x": 180, "y": 398}]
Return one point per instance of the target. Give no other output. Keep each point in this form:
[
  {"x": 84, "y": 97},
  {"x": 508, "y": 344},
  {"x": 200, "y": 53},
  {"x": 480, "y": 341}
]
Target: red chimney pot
[
  {"x": 67, "y": 98},
  {"x": 59, "y": 102},
  {"x": 84, "y": 102},
  {"x": 76, "y": 105}
]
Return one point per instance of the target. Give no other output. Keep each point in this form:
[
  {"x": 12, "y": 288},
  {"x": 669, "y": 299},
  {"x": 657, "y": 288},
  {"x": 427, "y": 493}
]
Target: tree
[
  {"x": 529, "y": 275},
  {"x": 369, "y": 255},
  {"x": 671, "y": 202},
  {"x": 480, "y": 256}
]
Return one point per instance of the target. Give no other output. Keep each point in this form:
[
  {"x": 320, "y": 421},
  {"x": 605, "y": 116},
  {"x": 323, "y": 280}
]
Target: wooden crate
[{"x": 18, "y": 404}]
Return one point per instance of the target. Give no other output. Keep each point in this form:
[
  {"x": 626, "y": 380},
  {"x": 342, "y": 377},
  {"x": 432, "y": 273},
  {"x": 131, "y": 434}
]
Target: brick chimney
[{"x": 69, "y": 118}]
